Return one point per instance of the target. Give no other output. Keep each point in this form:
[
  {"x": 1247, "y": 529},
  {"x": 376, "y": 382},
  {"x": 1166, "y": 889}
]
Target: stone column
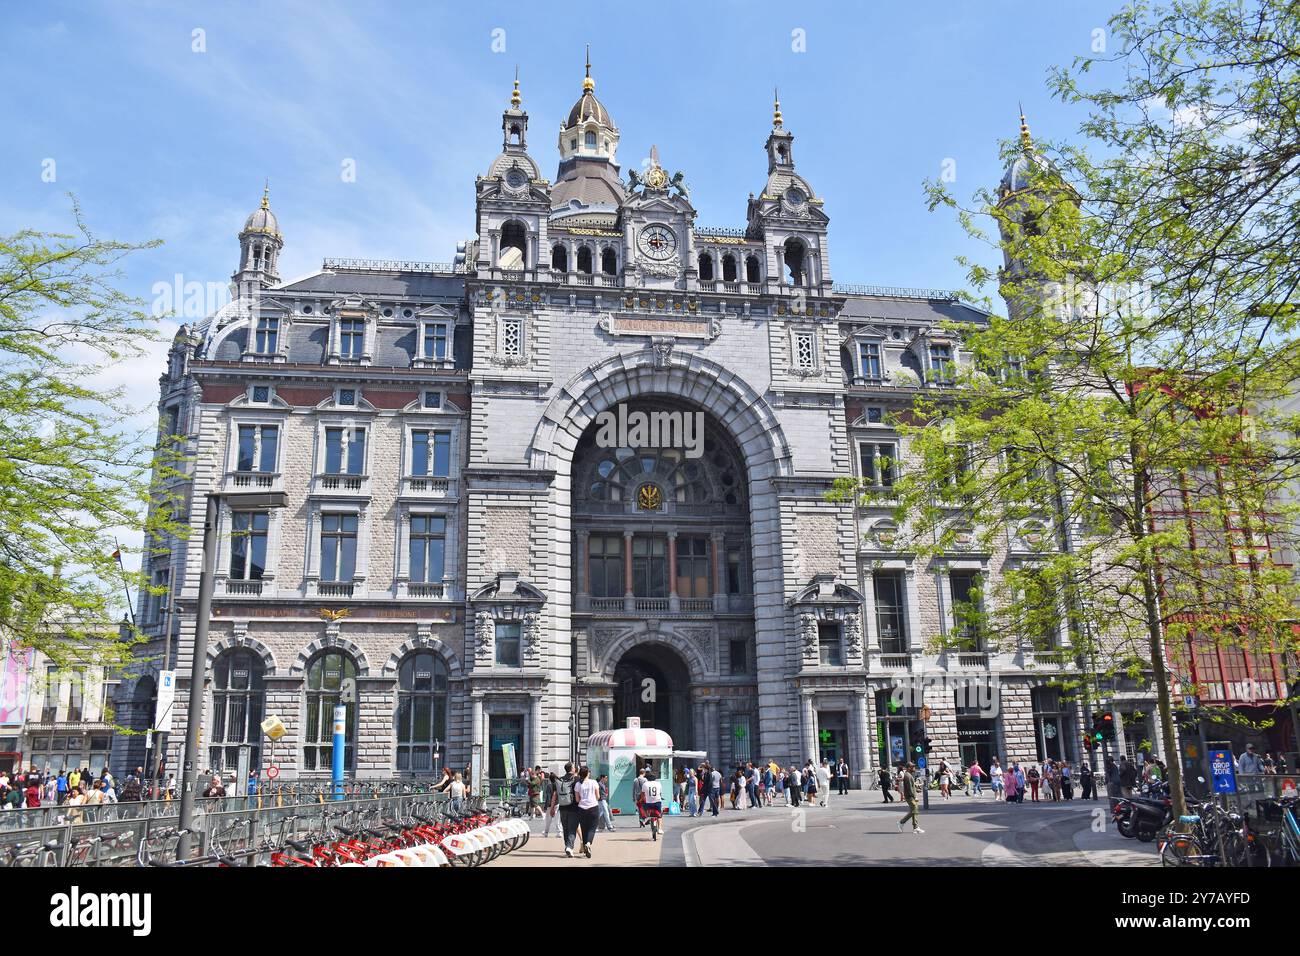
[
  {"x": 476, "y": 729},
  {"x": 584, "y": 552},
  {"x": 628, "y": 600},
  {"x": 809, "y": 728},
  {"x": 534, "y": 730},
  {"x": 674, "y": 603},
  {"x": 862, "y": 756}
]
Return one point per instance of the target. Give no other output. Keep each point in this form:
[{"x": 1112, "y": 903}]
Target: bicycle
[{"x": 1283, "y": 844}]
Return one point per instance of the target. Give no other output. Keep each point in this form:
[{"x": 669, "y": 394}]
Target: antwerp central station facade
[{"x": 452, "y": 537}]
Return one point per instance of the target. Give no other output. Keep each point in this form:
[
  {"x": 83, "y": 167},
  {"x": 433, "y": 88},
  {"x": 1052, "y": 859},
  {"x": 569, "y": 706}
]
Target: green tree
[
  {"x": 1115, "y": 440},
  {"x": 71, "y": 470}
]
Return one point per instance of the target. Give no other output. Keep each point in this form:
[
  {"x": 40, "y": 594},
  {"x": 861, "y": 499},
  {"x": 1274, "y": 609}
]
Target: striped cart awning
[{"x": 640, "y": 738}]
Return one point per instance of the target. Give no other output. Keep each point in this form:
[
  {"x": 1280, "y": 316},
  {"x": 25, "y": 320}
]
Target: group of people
[
  {"x": 1055, "y": 780},
  {"x": 25, "y": 789},
  {"x": 749, "y": 786}
]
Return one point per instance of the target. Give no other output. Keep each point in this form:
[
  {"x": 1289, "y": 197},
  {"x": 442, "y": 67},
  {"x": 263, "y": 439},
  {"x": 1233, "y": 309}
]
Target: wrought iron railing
[
  {"x": 390, "y": 265},
  {"x": 893, "y": 291}
]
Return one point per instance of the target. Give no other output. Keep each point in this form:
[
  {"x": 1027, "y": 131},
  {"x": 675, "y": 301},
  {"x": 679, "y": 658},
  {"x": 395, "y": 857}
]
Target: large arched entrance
[{"x": 652, "y": 682}]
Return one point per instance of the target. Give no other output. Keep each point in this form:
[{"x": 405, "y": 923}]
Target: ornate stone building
[{"x": 462, "y": 544}]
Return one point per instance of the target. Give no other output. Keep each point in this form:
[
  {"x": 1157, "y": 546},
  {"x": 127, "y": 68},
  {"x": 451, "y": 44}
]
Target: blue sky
[{"x": 160, "y": 141}]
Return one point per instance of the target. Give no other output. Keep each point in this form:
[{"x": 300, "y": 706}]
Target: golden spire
[
  {"x": 588, "y": 84},
  {"x": 515, "y": 99},
  {"x": 266, "y": 194},
  {"x": 1026, "y": 142},
  {"x": 776, "y": 108}
]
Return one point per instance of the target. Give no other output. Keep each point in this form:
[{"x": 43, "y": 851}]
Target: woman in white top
[
  {"x": 995, "y": 773},
  {"x": 587, "y": 795}
]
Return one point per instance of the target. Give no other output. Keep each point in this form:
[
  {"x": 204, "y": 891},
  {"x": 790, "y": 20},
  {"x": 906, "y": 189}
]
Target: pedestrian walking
[
  {"x": 824, "y": 782},
  {"x": 907, "y": 790},
  {"x": 1034, "y": 779},
  {"x": 1127, "y": 776},
  {"x": 1009, "y": 785},
  {"x": 886, "y": 782},
  {"x": 794, "y": 785},
  {"x": 715, "y": 789},
  {"x": 976, "y": 775},
  {"x": 1067, "y": 782},
  {"x": 588, "y": 796},
  {"x": 1087, "y": 792},
  {"x": 566, "y": 802},
  {"x": 550, "y": 809}
]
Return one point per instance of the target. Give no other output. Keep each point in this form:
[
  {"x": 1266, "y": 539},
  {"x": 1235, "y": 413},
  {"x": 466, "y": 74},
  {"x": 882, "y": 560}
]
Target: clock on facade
[
  {"x": 657, "y": 242},
  {"x": 516, "y": 178}
]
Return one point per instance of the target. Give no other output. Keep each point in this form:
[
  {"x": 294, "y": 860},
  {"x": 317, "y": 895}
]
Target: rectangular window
[
  {"x": 258, "y": 446},
  {"x": 512, "y": 338},
  {"x": 345, "y": 451},
  {"x": 869, "y": 360},
  {"x": 735, "y": 572},
  {"x": 649, "y": 567},
  {"x": 693, "y": 567},
  {"x": 74, "y": 695},
  {"x": 428, "y": 548},
  {"x": 248, "y": 544},
  {"x": 828, "y": 643},
  {"x": 739, "y": 652},
  {"x": 158, "y": 600},
  {"x": 433, "y": 399},
  {"x": 50, "y": 707},
  {"x": 878, "y": 463},
  {"x": 805, "y": 350},
  {"x": 338, "y": 547},
  {"x": 941, "y": 363},
  {"x": 431, "y": 453},
  {"x": 435, "y": 341},
  {"x": 740, "y": 734},
  {"x": 508, "y": 643},
  {"x": 352, "y": 338},
  {"x": 605, "y": 565},
  {"x": 965, "y": 589},
  {"x": 888, "y": 591},
  {"x": 267, "y": 336}
]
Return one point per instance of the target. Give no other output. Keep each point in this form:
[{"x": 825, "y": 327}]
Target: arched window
[
  {"x": 421, "y": 711},
  {"x": 796, "y": 274},
  {"x": 325, "y": 676},
  {"x": 559, "y": 258},
  {"x": 728, "y": 268},
  {"x": 751, "y": 269},
  {"x": 590, "y": 139},
  {"x": 584, "y": 260},
  {"x": 238, "y": 704},
  {"x": 514, "y": 245},
  {"x": 609, "y": 262},
  {"x": 706, "y": 267},
  {"x": 516, "y": 134},
  {"x": 620, "y": 472}
]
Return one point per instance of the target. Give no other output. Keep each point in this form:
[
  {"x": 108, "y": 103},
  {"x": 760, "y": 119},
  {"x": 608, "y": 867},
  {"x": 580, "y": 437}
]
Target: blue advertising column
[{"x": 340, "y": 744}]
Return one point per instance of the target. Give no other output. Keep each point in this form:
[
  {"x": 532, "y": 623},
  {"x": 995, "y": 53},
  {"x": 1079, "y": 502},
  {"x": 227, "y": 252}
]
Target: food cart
[{"x": 622, "y": 753}]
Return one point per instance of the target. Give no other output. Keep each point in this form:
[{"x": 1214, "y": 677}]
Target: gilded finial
[
  {"x": 1026, "y": 142},
  {"x": 266, "y": 194},
  {"x": 588, "y": 84},
  {"x": 776, "y": 108},
  {"x": 515, "y": 98}
]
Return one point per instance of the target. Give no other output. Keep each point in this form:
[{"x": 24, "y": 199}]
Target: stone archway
[
  {"x": 745, "y": 415},
  {"x": 652, "y": 682}
]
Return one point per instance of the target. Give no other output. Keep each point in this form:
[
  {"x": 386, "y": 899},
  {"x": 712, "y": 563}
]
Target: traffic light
[
  {"x": 1089, "y": 743},
  {"x": 926, "y": 745},
  {"x": 1103, "y": 726}
]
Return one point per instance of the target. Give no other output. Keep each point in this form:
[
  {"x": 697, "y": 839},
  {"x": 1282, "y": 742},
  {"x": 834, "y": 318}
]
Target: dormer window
[
  {"x": 351, "y": 338},
  {"x": 869, "y": 364},
  {"x": 942, "y": 367},
  {"x": 266, "y": 337},
  {"x": 590, "y": 139},
  {"x": 434, "y": 341}
]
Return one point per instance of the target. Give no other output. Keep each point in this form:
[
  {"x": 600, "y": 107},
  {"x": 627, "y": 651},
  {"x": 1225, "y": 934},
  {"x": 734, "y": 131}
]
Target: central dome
[{"x": 588, "y": 108}]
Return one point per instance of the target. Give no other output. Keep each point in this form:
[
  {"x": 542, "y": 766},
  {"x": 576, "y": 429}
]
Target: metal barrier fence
[{"x": 220, "y": 828}]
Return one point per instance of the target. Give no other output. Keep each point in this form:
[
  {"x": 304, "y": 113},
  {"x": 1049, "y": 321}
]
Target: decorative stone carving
[
  {"x": 662, "y": 347},
  {"x": 532, "y": 630},
  {"x": 484, "y": 633},
  {"x": 715, "y": 328},
  {"x": 668, "y": 269},
  {"x": 853, "y": 633},
  {"x": 701, "y": 637},
  {"x": 808, "y": 630}
]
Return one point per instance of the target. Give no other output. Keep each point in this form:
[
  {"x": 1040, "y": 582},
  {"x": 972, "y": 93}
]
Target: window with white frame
[
  {"x": 430, "y": 453},
  {"x": 427, "y": 548},
  {"x": 338, "y": 546},
  {"x": 351, "y": 338},
  {"x": 512, "y": 338},
  {"x": 889, "y": 593},
  {"x": 345, "y": 451},
  {"x": 805, "y": 350},
  {"x": 878, "y": 463},
  {"x": 248, "y": 535},
  {"x": 257, "y": 448},
  {"x": 266, "y": 336},
  {"x": 435, "y": 342},
  {"x": 942, "y": 368},
  {"x": 869, "y": 364}
]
